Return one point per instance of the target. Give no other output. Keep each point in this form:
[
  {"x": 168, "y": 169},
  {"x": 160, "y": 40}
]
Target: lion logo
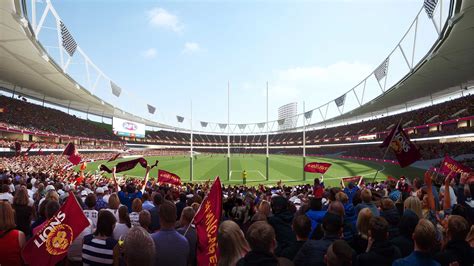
[
  {"x": 396, "y": 146},
  {"x": 59, "y": 239}
]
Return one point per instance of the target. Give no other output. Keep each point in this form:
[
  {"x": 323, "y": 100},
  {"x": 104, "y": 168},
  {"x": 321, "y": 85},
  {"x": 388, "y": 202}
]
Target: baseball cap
[
  {"x": 99, "y": 190},
  {"x": 49, "y": 187}
]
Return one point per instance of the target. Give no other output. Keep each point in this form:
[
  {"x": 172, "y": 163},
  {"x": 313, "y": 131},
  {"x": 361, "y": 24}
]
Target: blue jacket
[{"x": 316, "y": 218}]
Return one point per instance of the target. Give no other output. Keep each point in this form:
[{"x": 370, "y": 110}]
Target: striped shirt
[{"x": 97, "y": 251}]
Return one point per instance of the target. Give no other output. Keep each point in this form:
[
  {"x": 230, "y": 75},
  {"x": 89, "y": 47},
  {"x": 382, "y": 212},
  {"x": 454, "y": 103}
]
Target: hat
[
  {"x": 99, "y": 190},
  {"x": 84, "y": 193},
  {"x": 105, "y": 188},
  {"x": 49, "y": 187}
]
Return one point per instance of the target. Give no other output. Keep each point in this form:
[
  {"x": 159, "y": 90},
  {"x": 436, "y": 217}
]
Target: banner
[
  {"x": 317, "y": 167},
  {"x": 169, "y": 178},
  {"x": 354, "y": 179},
  {"x": 391, "y": 178},
  {"x": 127, "y": 165},
  {"x": 71, "y": 152},
  {"x": 405, "y": 151},
  {"x": 51, "y": 243},
  {"x": 449, "y": 164},
  {"x": 207, "y": 222},
  {"x": 115, "y": 157}
]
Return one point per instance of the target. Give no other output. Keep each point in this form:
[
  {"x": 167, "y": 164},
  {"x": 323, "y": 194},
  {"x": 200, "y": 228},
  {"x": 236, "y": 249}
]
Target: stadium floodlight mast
[
  {"x": 304, "y": 142},
  {"x": 266, "y": 164},
  {"x": 191, "y": 169},
  {"x": 228, "y": 131}
]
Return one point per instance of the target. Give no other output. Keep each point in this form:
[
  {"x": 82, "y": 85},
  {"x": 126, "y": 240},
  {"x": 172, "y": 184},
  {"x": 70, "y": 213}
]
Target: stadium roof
[{"x": 25, "y": 64}]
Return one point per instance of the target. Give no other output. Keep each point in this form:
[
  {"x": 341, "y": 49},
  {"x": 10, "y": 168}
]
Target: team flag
[
  {"x": 71, "y": 152},
  {"x": 450, "y": 165},
  {"x": 207, "y": 222},
  {"x": 405, "y": 151},
  {"x": 17, "y": 148},
  {"x": 115, "y": 157},
  {"x": 168, "y": 178},
  {"x": 127, "y": 165},
  {"x": 315, "y": 167},
  {"x": 51, "y": 243},
  {"x": 391, "y": 178},
  {"x": 354, "y": 179}
]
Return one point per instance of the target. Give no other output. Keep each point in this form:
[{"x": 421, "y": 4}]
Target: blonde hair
[
  {"x": 366, "y": 195},
  {"x": 137, "y": 205},
  {"x": 342, "y": 197},
  {"x": 264, "y": 208},
  {"x": 7, "y": 213},
  {"x": 231, "y": 242},
  {"x": 414, "y": 204},
  {"x": 21, "y": 197},
  {"x": 363, "y": 220},
  {"x": 114, "y": 201},
  {"x": 52, "y": 195}
]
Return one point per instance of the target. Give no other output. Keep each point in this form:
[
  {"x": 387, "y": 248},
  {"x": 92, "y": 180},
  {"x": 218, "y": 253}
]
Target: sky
[{"x": 169, "y": 53}]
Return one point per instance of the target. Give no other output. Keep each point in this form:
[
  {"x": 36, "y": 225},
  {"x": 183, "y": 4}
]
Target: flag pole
[
  {"x": 228, "y": 131},
  {"x": 386, "y": 150},
  {"x": 191, "y": 169},
  {"x": 304, "y": 142},
  {"x": 267, "y": 153}
]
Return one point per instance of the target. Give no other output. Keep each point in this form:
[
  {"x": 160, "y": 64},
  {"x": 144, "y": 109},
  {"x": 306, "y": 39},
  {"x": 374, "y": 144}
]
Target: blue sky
[{"x": 168, "y": 53}]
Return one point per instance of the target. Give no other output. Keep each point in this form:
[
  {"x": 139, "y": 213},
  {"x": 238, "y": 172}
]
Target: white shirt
[
  {"x": 134, "y": 219},
  {"x": 92, "y": 216},
  {"x": 6, "y": 196},
  {"x": 120, "y": 230}
]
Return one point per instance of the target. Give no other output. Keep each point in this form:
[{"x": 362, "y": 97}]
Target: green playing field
[{"x": 286, "y": 168}]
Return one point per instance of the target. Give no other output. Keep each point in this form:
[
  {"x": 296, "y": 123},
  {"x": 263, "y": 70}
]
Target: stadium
[{"x": 68, "y": 127}]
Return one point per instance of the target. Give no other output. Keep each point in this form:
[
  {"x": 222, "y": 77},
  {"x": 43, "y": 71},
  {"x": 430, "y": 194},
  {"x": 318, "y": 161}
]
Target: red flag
[
  {"x": 115, "y": 157},
  {"x": 450, "y": 165},
  {"x": 391, "y": 178},
  {"x": 207, "y": 222},
  {"x": 317, "y": 167},
  {"x": 17, "y": 148},
  {"x": 354, "y": 179},
  {"x": 71, "y": 151},
  {"x": 51, "y": 243},
  {"x": 169, "y": 178},
  {"x": 405, "y": 151},
  {"x": 40, "y": 152},
  {"x": 125, "y": 166}
]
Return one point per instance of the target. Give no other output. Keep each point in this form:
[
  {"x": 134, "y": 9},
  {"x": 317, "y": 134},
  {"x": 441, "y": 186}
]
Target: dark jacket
[
  {"x": 155, "y": 219},
  {"x": 254, "y": 258},
  {"x": 416, "y": 258},
  {"x": 456, "y": 250},
  {"x": 359, "y": 244},
  {"x": 281, "y": 223},
  {"x": 393, "y": 219},
  {"x": 313, "y": 251},
  {"x": 381, "y": 253},
  {"x": 291, "y": 251},
  {"x": 405, "y": 244}
]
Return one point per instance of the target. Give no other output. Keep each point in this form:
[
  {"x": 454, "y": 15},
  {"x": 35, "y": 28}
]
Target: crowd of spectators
[{"x": 414, "y": 221}]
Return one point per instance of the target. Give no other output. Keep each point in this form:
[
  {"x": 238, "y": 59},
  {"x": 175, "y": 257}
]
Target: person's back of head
[
  {"x": 424, "y": 235},
  {"x": 187, "y": 215},
  {"x": 7, "y": 215},
  {"x": 342, "y": 197},
  {"x": 136, "y": 205},
  {"x": 378, "y": 228},
  {"x": 231, "y": 243},
  {"x": 261, "y": 237},
  {"x": 5, "y": 188},
  {"x": 51, "y": 208},
  {"x": 363, "y": 220},
  {"x": 413, "y": 204},
  {"x": 90, "y": 201},
  {"x": 315, "y": 204},
  {"x": 332, "y": 224},
  {"x": 301, "y": 226},
  {"x": 123, "y": 216},
  {"x": 157, "y": 199},
  {"x": 336, "y": 207},
  {"x": 144, "y": 218},
  {"x": 139, "y": 247},
  {"x": 458, "y": 228},
  {"x": 167, "y": 214},
  {"x": 279, "y": 204},
  {"x": 145, "y": 197},
  {"x": 407, "y": 224},
  {"x": 339, "y": 253},
  {"x": 105, "y": 224},
  {"x": 387, "y": 204},
  {"x": 366, "y": 196}
]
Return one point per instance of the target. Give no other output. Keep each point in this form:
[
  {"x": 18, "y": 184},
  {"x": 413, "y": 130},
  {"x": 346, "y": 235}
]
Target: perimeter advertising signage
[{"x": 127, "y": 128}]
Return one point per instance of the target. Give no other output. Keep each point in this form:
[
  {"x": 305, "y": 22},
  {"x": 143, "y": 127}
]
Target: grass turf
[{"x": 281, "y": 167}]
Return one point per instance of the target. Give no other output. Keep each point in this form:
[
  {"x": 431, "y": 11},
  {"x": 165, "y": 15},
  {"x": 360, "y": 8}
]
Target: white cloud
[
  {"x": 149, "y": 53},
  {"x": 191, "y": 47},
  {"x": 161, "y": 18}
]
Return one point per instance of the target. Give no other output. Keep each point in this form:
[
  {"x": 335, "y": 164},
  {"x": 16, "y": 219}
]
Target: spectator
[
  {"x": 413, "y": 204},
  {"x": 139, "y": 248},
  {"x": 339, "y": 254},
  {"x": 281, "y": 223},
  {"x": 361, "y": 240},
  {"x": 147, "y": 203},
  {"x": 11, "y": 240},
  {"x": 189, "y": 231},
  {"x": 231, "y": 242},
  {"x": 50, "y": 209},
  {"x": 155, "y": 212},
  {"x": 302, "y": 227},
  {"x": 390, "y": 214},
  {"x": 264, "y": 208},
  {"x": 406, "y": 227},
  {"x": 456, "y": 248},
  {"x": 313, "y": 251},
  {"x": 91, "y": 213},
  {"x": 171, "y": 247},
  {"x": 425, "y": 239},
  {"x": 113, "y": 205},
  {"x": 144, "y": 219},
  {"x": 366, "y": 196},
  {"x": 100, "y": 248},
  {"x": 100, "y": 202},
  {"x": 23, "y": 212},
  {"x": 136, "y": 209},
  {"x": 315, "y": 214},
  {"x": 181, "y": 204},
  {"x": 351, "y": 190},
  {"x": 380, "y": 251},
  {"x": 123, "y": 225},
  {"x": 318, "y": 188},
  {"x": 5, "y": 194}
]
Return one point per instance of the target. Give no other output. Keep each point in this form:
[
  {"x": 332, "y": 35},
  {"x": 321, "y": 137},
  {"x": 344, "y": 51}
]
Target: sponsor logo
[
  {"x": 59, "y": 239},
  {"x": 129, "y": 126}
]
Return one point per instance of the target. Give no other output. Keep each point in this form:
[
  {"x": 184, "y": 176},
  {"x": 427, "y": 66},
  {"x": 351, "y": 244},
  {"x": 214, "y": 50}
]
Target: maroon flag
[
  {"x": 115, "y": 157},
  {"x": 17, "y": 148},
  {"x": 405, "y": 151},
  {"x": 391, "y": 178},
  {"x": 354, "y": 179},
  {"x": 71, "y": 152},
  {"x": 51, "y": 243},
  {"x": 127, "y": 165},
  {"x": 450, "y": 165},
  {"x": 207, "y": 222},
  {"x": 169, "y": 178},
  {"x": 317, "y": 167}
]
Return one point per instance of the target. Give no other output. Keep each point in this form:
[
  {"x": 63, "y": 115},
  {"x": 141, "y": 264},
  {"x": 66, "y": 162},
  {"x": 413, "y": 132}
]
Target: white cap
[
  {"x": 49, "y": 187},
  {"x": 33, "y": 181},
  {"x": 84, "y": 193},
  {"x": 99, "y": 190},
  {"x": 105, "y": 188}
]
